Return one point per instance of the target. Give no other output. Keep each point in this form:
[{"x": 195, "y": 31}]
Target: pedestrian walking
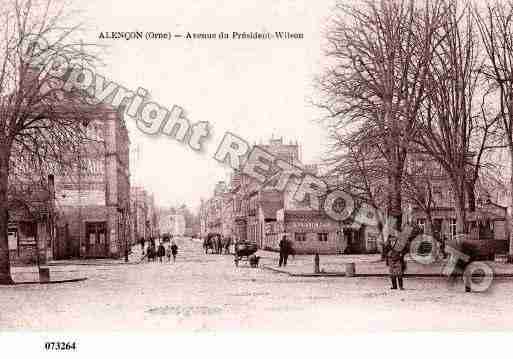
[
  {"x": 168, "y": 252},
  {"x": 285, "y": 250},
  {"x": 174, "y": 251},
  {"x": 149, "y": 253},
  {"x": 219, "y": 245},
  {"x": 161, "y": 252},
  {"x": 227, "y": 244},
  {"x": 396, "y": 263}
]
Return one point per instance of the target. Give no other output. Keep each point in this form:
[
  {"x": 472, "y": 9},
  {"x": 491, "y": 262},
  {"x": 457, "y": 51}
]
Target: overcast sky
[{"x": 254, "y": 88}]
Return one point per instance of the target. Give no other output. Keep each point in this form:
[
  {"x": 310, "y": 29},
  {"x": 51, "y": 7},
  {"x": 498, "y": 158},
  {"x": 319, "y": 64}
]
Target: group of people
[
  {"x": 154, "y": 253},
  {"x": 217, "y": 244}
]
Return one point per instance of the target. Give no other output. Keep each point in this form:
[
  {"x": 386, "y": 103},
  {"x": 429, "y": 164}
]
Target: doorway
[{"x": 96, "y": 240}]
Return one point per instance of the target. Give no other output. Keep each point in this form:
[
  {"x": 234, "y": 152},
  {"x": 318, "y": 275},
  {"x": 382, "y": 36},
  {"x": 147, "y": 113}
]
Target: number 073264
[{"x": 60, "y": 346}]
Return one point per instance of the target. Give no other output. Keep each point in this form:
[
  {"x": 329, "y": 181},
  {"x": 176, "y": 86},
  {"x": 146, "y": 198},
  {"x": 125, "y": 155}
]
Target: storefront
[
  {"x": 24, "y": 239},
  {"x": 314, "y": 232},
  {"x": 309, "y": 231}
]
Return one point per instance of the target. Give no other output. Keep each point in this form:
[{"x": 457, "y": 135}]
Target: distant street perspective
[{"x": 207, "y": 292}]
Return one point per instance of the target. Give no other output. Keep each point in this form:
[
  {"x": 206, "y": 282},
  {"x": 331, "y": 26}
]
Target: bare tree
[
  {"x": 418, "y": 187},
  {"x": 495, "y": 25},
  {"x": 456, "y": 128},
  {"x": 40, "y": 125},
  {"x": 380, "y": 54}
]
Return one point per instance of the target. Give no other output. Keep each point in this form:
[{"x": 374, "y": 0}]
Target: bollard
[
  {"x": 44, "y": 275},
  {"x": 350, "y": 270},
  {"x": 316, "y": 263},
  {"x": 467, "y": 282}
]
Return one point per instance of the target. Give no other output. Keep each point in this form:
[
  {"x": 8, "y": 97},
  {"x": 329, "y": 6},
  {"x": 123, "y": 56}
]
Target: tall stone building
[{"x": 94, "y": 201}]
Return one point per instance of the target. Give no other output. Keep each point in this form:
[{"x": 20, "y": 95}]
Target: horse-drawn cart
[{"x": 243, "y": 251}]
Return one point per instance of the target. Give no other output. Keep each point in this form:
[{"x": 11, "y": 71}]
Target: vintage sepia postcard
[{"x": 273, "y": 171}]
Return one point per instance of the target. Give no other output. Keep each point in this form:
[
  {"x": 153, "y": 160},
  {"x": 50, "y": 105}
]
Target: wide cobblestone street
[{"x": 208, "y": 293}]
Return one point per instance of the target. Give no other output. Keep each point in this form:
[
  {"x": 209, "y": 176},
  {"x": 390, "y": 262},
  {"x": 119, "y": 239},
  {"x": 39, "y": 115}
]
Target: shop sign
[
  {"x": 82, "y": 197},
  {"x": 313, "y": 225}
]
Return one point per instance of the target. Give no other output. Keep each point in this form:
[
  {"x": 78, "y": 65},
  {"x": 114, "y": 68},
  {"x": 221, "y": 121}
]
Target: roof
[{"x": 269, "y": 209}]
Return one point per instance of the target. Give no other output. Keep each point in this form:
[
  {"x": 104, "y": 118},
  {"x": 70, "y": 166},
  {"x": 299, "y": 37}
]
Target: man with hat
[{"x": 396, "y": 263}]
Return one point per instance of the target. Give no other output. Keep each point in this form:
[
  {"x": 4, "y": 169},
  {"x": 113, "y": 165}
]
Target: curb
[
  {"x": 331, "y": 274},
  {"x": 74, "y": 280},
  {"x": 369, "y": 275},
  {"x": 91, "y": 264}
]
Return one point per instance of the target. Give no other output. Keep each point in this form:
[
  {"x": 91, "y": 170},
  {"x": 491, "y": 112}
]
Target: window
[
  {"x": 439, "y": 170},
  {"x": 372, "y": 243},
  {"x": 421, "y": 222},
  {"x": 322, "y": 237},
  {"x": 300, "y": 237},
  {"x": 437, "y": 195},
  {"x": 452, "y": 228},
  {"x": 96, "y": 232},
  {"x": 450, "y": 198}
]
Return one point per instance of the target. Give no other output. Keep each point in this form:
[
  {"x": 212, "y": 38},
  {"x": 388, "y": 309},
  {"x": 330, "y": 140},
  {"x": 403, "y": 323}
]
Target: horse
[
  {"x": 210, "y": 242},
  {"x": 207, "y": 244}
]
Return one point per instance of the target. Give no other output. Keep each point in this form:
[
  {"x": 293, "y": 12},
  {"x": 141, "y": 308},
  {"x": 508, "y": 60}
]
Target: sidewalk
[
  {"x": 30, "y": 275},
  {"x": 133, "y": 258},
  {"x": 90, "y": 262},
  {"x": 365, "y": 266}
]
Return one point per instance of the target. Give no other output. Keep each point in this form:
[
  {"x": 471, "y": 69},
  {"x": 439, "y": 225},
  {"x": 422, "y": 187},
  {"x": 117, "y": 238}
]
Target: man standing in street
[
  {"x": 284, "y": 251},
  {"x": 161, "y": 252},
  {"x": 396, "y": 263},
  {"x": 168, "y": 252},
  {"x": 174, "y": 251}
]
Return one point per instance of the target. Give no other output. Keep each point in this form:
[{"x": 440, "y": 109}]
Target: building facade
[
  {"x": 93, "y": 201},
  {"x": 486, "y": 213}
]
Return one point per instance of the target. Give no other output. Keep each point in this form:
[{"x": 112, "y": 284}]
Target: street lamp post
[
  {"x": 124, "y": 218},
  {"x": 122, "y": 211}
]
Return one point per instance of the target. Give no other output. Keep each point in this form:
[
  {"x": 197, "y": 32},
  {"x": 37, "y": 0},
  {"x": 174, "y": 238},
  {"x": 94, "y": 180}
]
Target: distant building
[
  {"x": 488, "y": 221},
  {"x": 248, "y": 210},
  {"x": 177, "y": 225}
]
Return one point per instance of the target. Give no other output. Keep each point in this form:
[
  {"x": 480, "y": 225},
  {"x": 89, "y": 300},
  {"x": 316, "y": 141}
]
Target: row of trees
[{"x": 410, "y": 80}]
